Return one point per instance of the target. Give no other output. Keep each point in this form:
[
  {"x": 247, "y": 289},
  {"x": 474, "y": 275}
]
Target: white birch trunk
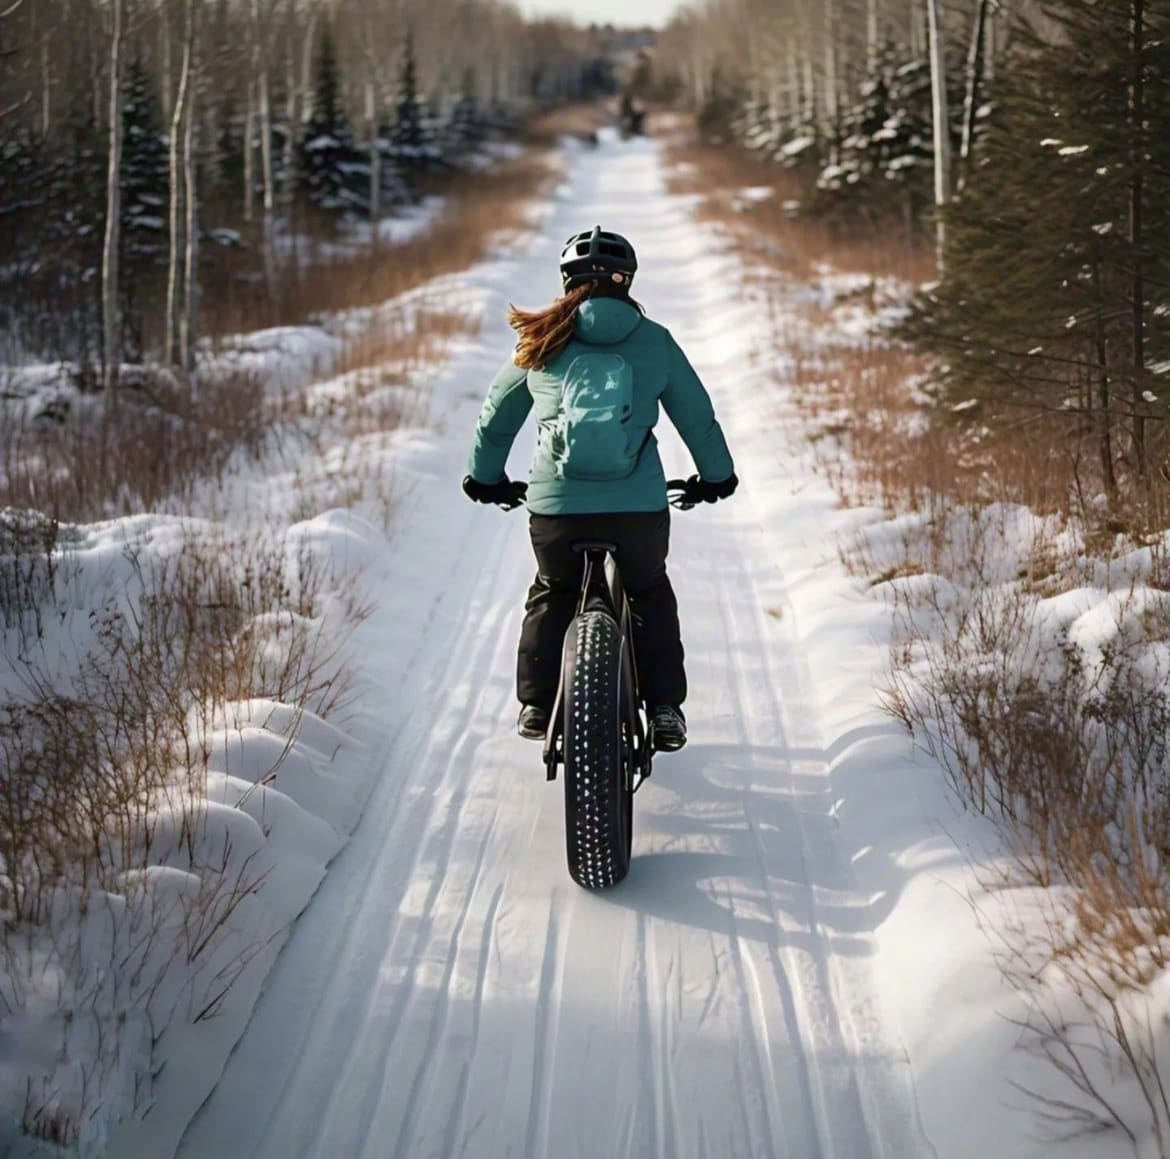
[
  {"x": 166, "y": 54},
  {"x": 263, "y": 105},
  {"x": 375, "y": 153},
  {"x": 832, "y": 110},
  {"x": 266, "y": 175},
  {"x": 288, "y": 157},
  {"x": 976, "y": 57},
  {"x": 940, "y": 120},
  {"x": 307, "y": 67},
  {"x": 175, "y": 246},
  {"x": 46, "y": 88},
  {"x": 250, "y": 156},
  {"x": 111, "y": 313},
  {"x": 191, "y": 225},
  {"x": 809, "y": 101},
  {"x": 917, "y": 40},
  {"x": 792, "y": 84}
]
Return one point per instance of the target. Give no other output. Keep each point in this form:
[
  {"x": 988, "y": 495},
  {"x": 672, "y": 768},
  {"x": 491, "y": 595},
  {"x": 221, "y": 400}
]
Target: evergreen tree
[
  {"x": 408, "y": 127},
  {"x": 885, "y": 157},
  {"x": 332, "y": 170},
  {"x": 463, "y": 125},
  {"x": 145, "y": 167},
  {"x": 1051, "y": 296},
  {"x": 716, "y": 117}
]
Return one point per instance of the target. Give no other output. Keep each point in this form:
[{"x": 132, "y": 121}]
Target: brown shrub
[{"x": 480, "y": 206}]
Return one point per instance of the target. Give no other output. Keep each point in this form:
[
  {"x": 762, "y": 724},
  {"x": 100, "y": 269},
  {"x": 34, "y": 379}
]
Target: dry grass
[
  {"x": 88, "y": 752},
  {"x": 480, "y": 207},
  {"x": 103, "y": 769},
  {"x": 159, "y": 441},
  {"x": 1066, "y": 747},
  {"x": 773, "y": 229},
  {"x": 582, "y": 121}
]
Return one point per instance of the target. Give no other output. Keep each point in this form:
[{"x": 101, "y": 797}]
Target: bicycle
[{"x": 598, "y": 729}]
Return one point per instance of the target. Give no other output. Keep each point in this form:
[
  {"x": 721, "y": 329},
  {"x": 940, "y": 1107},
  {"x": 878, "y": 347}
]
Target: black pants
[{"x": 642, "y": 540}]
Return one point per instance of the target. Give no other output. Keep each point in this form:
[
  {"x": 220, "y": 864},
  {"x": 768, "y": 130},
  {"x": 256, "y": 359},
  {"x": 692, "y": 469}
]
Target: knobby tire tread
[{"x": 597, "y": 813}]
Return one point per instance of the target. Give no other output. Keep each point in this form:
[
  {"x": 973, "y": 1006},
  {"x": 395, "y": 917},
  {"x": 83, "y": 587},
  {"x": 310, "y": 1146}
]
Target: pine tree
[
  {"x": 145, "y": 177},
  {"x": 885, "y": 156},
  {"x": 463, "y": 126},
  {"x": 408, "y": 127},
  {"x": 1038, "y": 304},
  {"x": 331, "y": 169}
]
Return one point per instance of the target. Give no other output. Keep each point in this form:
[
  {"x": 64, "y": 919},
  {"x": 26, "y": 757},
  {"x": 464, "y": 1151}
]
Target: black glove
[
  {"x": 695, "y": 490},
  {"x": 505, "y": 493}
]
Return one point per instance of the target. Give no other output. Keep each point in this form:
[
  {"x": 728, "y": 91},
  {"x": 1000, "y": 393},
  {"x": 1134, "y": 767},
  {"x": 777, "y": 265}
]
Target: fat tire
[{"x": 598, "y": 809}]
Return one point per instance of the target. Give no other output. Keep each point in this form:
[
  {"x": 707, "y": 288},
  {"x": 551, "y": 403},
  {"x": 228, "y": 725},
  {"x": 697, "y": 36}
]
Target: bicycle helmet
[{"x": 597, "y": 256}]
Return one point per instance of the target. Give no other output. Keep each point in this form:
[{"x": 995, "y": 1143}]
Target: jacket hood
[{"x": 605, "y": 321}]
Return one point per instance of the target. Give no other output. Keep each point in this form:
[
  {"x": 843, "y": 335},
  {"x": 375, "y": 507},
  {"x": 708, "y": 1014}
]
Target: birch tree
[
  {"x": 941, "y": 121},
  {"x": 111, "y": 303},
  {"x": 180, "y": 114}
]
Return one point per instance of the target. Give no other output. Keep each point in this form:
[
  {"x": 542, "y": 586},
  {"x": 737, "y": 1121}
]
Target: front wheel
[{"x": 598, "y": 804}]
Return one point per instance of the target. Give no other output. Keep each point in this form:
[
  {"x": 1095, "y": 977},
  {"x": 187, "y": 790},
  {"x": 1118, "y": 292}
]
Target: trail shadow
[{"x": 739, "y": 840}]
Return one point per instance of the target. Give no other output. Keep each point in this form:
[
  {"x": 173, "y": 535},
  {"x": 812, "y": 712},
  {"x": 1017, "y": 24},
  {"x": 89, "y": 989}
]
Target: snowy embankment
[
  {"x": 1026, "y": 942},
  {"x": 123, "y": 997}
]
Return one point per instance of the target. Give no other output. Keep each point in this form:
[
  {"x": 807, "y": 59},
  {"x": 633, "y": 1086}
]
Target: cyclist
[{"x": 595, "y": 369}]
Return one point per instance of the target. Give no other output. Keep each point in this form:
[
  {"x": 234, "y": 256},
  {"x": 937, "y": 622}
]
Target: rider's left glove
[
  {"x": 698, "y": 490},
  {"x": 505, "y": 493}
]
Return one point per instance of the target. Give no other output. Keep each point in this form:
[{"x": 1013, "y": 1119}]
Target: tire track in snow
[
  {"x": 423, "y": 1075},
  {"x": 367, "y": 871},
  {"x": 436, "y": 850},
  {"x": 434, "y": 842},
  {"x": 804, "y": 980},
  {"x": 543, "y": 1059},
  {"x": 487, "y": 938},
  {"x": 781, "y": 1122}
]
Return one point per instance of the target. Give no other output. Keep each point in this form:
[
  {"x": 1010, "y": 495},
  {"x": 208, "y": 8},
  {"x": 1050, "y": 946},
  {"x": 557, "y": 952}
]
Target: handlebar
[{"x": 678, "y": 499}]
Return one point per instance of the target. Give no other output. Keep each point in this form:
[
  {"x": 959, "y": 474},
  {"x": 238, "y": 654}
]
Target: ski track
[{"x": 449, "y": 992}]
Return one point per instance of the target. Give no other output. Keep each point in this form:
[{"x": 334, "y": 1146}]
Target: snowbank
[
  {"x": 957, "y": 927},
  {"x": 128, "y": 978}
]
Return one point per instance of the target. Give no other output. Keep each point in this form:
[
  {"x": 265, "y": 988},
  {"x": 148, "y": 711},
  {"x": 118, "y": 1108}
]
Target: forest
[
  {"x": 155, "y": 155},
  {"x": 1028, "y": 141}
]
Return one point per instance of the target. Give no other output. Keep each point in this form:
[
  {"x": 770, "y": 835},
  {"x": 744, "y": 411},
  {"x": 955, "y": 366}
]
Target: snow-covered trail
[{"x": 450, "y": 992}]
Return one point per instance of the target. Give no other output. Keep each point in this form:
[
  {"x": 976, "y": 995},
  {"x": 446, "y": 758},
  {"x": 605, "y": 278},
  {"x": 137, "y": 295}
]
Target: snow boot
[
  {"x": 533, "y": 722},
  {"x": 668, "y": 728}
]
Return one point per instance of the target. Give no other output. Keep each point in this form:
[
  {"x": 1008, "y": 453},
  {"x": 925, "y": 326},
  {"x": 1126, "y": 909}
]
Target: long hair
[{"x": 545, "y": 333}]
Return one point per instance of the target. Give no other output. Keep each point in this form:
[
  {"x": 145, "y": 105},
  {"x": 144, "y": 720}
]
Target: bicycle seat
[{"x": 587, "y": 545}]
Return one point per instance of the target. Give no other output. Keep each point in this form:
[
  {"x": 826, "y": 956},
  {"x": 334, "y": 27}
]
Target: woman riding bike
[{"x": 595, "y": 369}]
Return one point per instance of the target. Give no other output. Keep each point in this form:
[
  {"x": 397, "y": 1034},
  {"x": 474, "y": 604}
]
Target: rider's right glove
[
  {"x": 700, "y": 491},
  {"x": 505, "y": 493}
]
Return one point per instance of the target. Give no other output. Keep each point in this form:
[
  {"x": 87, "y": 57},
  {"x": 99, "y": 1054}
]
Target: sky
[{"x": 628, "y": 12}]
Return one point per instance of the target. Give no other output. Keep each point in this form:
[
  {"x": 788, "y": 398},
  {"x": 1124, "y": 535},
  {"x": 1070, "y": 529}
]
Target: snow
[
  {"x": 283, "y": 358},
  {"x": 750, "y": 195},
  {"x": 407, "y": 223},
  {"x": 799, "y": 963}
]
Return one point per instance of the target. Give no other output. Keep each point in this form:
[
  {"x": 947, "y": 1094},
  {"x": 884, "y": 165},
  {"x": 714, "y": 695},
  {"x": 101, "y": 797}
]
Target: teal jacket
[{"x": 661, "y": 374}]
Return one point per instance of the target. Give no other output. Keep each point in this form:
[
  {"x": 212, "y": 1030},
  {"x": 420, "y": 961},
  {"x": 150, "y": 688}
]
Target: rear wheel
[{"x": 598, "y": 803}]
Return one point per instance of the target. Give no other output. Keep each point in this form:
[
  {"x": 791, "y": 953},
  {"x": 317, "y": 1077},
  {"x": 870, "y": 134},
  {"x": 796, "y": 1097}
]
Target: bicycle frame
[{"x": 602, "y": 591}]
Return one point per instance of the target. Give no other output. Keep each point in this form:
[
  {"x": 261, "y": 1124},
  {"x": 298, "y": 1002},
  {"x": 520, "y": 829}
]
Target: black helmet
[{"x": 597, "y": 255}]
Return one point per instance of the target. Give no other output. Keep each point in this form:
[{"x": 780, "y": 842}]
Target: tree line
[
  {"x": 1029, "y": 139},
  {"x": 137, "y": 134}
]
